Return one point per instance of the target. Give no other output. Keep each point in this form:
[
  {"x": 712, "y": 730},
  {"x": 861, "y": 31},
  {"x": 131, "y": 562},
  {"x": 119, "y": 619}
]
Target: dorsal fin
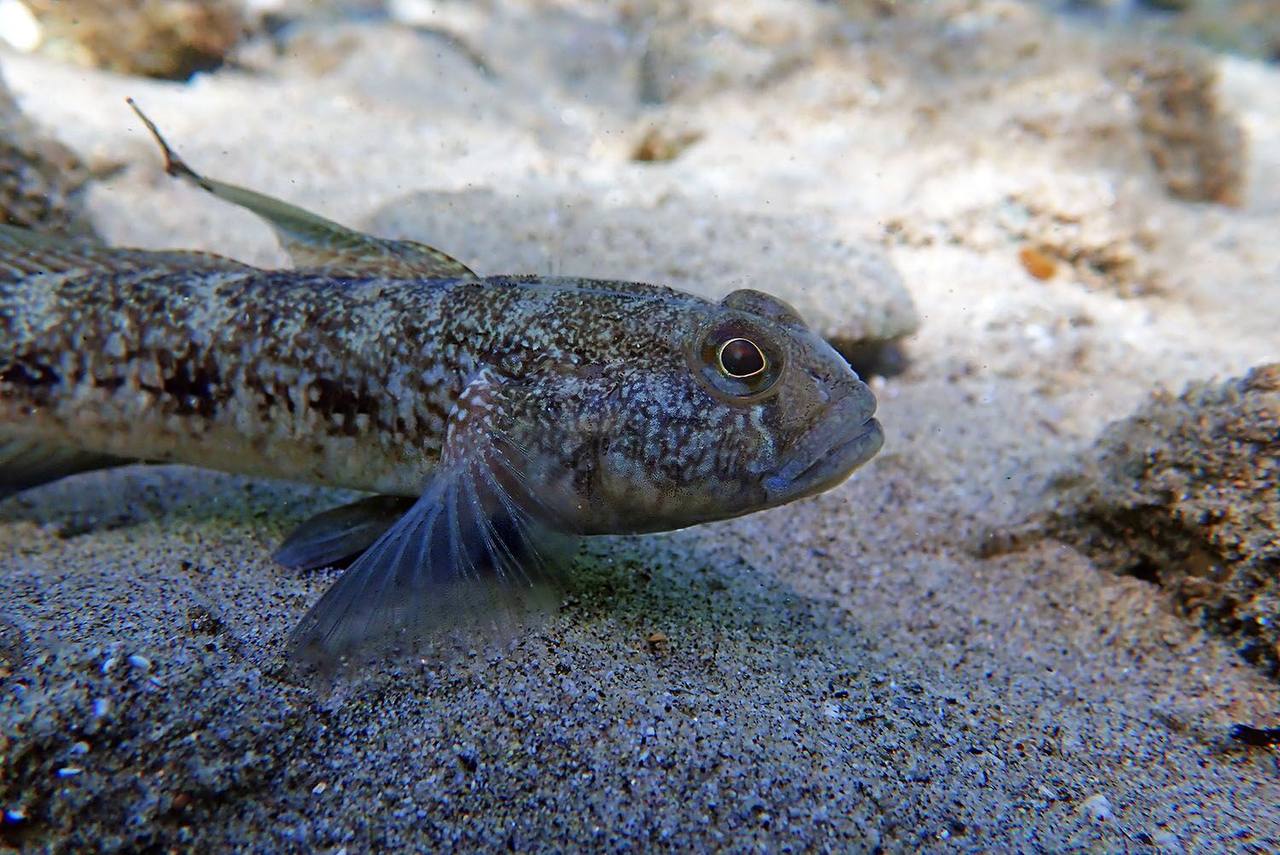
[
  {"x": 315, "y": 243},
  {"x": 24, "y": 253}
]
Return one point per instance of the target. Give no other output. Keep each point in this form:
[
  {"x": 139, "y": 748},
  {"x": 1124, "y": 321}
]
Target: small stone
[
  {"x": 156, "y": 38},
  {"x": 19, "y": 27},
  {"x": 142, "y": 663},
  {"x": 1097, "y": 807},
  {"x": 662, "y": 144},
  {"x": 69, "y": 771},
  {"x": 1037, "y": 263}
]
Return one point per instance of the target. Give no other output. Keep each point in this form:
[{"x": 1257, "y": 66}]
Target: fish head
[{"x": 753, "y": 410}]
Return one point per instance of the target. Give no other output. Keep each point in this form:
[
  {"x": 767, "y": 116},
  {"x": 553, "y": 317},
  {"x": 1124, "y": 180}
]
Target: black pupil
[{"x": 741, "y": 358}]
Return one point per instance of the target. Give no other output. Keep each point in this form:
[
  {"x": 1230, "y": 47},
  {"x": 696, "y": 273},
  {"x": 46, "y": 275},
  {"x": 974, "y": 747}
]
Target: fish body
[
  {"x": 492, "y": 416},
  {"x": 345, "y": 382}
]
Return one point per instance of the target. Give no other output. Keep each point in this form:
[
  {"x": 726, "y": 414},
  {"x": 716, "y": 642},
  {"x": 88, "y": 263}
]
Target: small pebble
[
  {"x": 101, "y": 706},
  {"x": 140, "y": 662},
  {"x": 19, "y": 26},
  {"x": 1097, "y": 807},
  {"x": 662, "y": 144},
  {"x": 1037, "y": 263},
  {"x": 69, "y": 771}
]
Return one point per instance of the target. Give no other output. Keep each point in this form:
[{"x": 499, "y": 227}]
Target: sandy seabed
[{"x": 856, "y": 671}]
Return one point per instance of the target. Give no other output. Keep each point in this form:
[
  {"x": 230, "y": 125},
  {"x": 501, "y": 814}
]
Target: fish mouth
[{"x": 824, "y": 458}]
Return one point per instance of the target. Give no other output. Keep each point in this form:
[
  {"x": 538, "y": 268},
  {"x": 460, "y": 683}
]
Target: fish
[{"x": 494, "y": 420}]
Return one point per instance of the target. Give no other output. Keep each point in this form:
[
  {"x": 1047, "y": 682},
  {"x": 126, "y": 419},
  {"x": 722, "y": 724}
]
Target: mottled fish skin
[
  {"x": 512, "y": 405},
  {"x": 334, "y": 381}
]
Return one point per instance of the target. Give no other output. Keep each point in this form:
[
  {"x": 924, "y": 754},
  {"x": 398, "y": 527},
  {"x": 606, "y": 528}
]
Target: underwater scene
[{"x": 640, "y": 425}]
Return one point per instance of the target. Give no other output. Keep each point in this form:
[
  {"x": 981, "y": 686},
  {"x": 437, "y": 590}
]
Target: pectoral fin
[
  {"x": 331, "y": 537},
  {"x": 468, "y": 555},
  {"x": 27, "y": 463},
  {"x": 316, "y": 243}
]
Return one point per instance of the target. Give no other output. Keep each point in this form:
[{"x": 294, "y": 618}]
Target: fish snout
[{"x": 845, "y": 436}]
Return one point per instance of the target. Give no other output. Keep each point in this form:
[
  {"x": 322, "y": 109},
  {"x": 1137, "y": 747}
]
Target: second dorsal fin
[
  {"x": 27, "y": 253},
  {"x": 315, "y": 243}
]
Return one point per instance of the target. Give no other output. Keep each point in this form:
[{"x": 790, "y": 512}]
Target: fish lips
[{"x": 824, "y": 458}]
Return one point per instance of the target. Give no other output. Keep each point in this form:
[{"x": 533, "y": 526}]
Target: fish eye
[
  {"x": 741, "y": 358},
  {"x": 738, "y": 359}
]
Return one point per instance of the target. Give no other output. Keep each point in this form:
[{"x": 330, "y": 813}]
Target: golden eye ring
[
  {"x": 741, "y": 358},
  {"x": 737, "y": 360}
]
